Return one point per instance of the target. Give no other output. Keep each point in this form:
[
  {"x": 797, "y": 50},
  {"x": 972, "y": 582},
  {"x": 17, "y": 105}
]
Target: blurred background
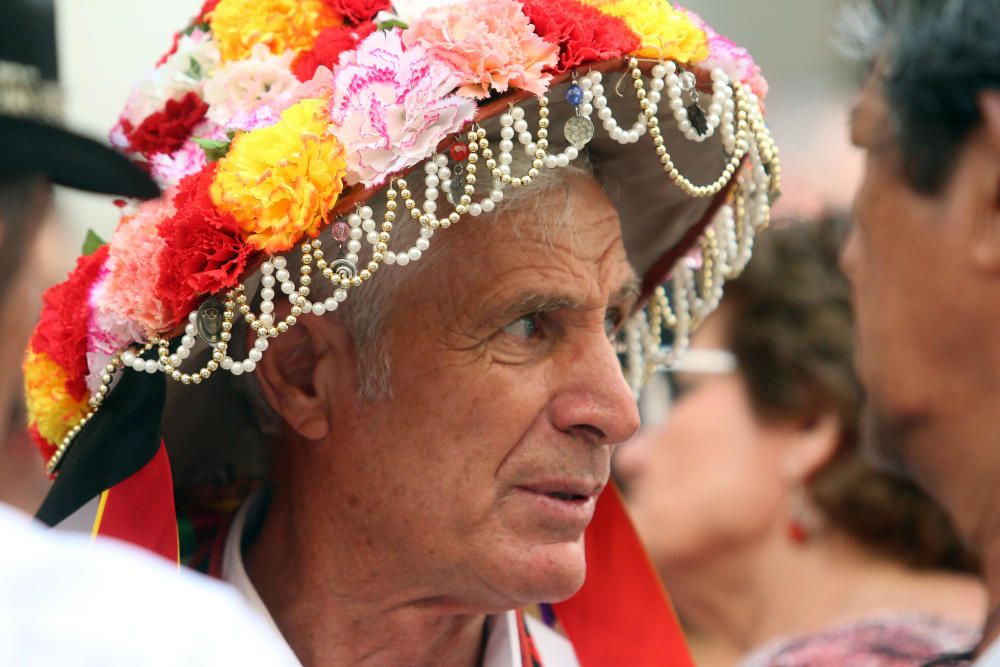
[{"x": 106, "y": 45}]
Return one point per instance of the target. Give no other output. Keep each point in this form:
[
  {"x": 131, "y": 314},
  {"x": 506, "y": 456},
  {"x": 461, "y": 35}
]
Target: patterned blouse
[{"x": 884, "y": 640}]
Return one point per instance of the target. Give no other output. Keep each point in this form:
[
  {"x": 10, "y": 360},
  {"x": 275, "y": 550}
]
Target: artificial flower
[
  {"x": 133, "y": 265},
  {"x": 203, "y": 250},
  {"x": 666, "y": 33},
  {"x": 582, "y": 33},
  {"x": 165, "y": 131},
  {"x": 185, "y": 71},
  {"x": 62, "y": 333},
  {"x": 280, "y": 182},
  {"x": 490, "y": 43},
  {"x": 356, "y": 12},
  {"x": 734, "y": 60},
  {"x": 392, "y": 106},
  {"x": 53, "y": 408},
  {"x": 280, "y": 25},
  {"x": 326, "y": 51},
  {"x": 107, "y": 332},
  {"x": 168, "y": 169},
  {"x": 240, "y": 86}
]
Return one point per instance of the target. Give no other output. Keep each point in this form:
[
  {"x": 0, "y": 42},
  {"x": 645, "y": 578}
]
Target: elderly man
[
  {"x": 428, "y": 429},
  {"x": 925, "y": 258}
]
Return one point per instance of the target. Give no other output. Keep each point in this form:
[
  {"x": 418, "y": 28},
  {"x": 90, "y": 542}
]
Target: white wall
[{"x": 104, "y": 47}]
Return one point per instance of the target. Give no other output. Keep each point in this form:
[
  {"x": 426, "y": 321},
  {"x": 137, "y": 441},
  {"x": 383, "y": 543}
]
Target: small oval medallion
[
  {"x": 210, "y": 320},
  {"x": 579, "y": 130}
]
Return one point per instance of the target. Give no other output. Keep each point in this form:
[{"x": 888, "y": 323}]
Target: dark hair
[
  {"x": 937, "y": 57},
  {"x": 791, "y": 329},
  {"x": 23, "y": 199}
]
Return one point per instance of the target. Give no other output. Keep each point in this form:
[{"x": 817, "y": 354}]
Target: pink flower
[
  {"x": 169, "y": 169},
  {"x": 734, "y": 60},
  {"x": 392, "y": 106},
  {"x": 490, "y": 42},
  {"x": 107, "y": 332},
  {"x": 129, "y": 291},
  {"x": 241, "y": 86}
]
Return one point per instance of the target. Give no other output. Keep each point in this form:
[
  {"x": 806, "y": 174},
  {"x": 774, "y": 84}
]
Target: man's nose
[{"x": 593, "y": 398}]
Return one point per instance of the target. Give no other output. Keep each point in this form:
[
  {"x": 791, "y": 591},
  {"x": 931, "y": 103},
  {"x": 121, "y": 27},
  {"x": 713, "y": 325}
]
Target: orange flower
[
  {"x": 283, "y": 25},
  {"x": 52, "y": 410},
  {"x": 280, "y": 182}
]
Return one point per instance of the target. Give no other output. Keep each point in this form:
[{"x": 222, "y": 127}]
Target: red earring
[{"x": 797, "y": 533}]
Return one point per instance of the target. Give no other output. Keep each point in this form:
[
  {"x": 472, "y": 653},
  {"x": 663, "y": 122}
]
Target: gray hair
[
  {"x": 937, "y": 56},
  {"x": 365, "y": 309}
]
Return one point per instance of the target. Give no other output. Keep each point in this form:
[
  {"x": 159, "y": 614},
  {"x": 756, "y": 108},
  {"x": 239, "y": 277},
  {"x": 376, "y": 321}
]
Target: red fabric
[
  {"x": 621, "y": 616},
  {"x": 140, "y": 509},
  {"x": 61, "y": 332},
  {"x": 357, "y": 12},
  {"x": 583, "y": 33},
  {"x": 166, "y": 130},
  {"x": 203, "y": 250},
  {"x": 330, "y": 43}
]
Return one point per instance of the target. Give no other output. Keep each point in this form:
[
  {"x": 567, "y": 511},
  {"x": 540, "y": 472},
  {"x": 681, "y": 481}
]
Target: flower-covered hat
[{"x": 271, "y": 123}]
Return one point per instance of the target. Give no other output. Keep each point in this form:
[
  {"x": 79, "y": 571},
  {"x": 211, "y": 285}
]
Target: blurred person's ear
[
  {"x": 811, "y": 446},
  {"x": 987, "y": 239}
]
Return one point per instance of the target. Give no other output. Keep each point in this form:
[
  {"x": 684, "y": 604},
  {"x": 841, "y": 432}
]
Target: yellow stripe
[{"x": 100, "y": 513}]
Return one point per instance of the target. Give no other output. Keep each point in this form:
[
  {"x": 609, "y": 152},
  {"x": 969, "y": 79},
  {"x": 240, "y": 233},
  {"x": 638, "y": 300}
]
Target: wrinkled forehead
[{"x": 566, "y": 228}]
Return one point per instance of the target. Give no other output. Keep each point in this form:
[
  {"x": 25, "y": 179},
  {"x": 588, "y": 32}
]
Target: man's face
[
  {"x": 914, "y": 295},
  {"x": 480, "y": 473}
]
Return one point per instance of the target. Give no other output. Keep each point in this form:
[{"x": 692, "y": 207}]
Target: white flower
[
  {"x": 185, "y": 70},
  {"x": 241, "y": 86}
]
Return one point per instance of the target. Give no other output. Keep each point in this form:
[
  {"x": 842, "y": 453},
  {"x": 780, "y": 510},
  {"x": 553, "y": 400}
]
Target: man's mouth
[
  {"x": 561, "y": 495},
  {"x": 565, "y": 490}
]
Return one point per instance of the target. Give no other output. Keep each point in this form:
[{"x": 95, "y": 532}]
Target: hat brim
[{"x": 70, "y": 159}]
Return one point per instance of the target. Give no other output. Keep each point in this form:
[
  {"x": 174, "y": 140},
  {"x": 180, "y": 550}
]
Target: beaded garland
[{"x": 450, "y": 175}]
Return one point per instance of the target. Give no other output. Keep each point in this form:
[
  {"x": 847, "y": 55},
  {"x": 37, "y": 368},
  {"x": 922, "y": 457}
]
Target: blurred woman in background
[{"x": 777, "y": 539}]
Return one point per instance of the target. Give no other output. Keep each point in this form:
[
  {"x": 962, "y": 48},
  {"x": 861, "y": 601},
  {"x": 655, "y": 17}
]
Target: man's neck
[{"x": 331, "y": 613}]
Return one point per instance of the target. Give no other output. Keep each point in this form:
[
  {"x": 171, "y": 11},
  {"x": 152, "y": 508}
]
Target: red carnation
[
  {"x": 62, "y": 328},
  {"x": 172, "y": 50},
  {"x": 165, "y": 131},
  {"x": 583, "y": 33},
  {"x": 326, "y": 51},
  {"x": 203, "y": 251},
  {"x": 206, "y": 9},
  {"x": 357, "y": 12}
]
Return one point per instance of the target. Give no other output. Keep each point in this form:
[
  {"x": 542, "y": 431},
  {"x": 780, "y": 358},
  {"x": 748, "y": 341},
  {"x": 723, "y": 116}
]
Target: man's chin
[{"x": 547, "y": 573}]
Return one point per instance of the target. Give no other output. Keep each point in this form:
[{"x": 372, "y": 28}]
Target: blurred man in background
[{"x": 924, "y": 258}]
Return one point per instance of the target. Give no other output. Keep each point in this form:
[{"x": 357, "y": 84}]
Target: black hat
[{"x": 32, "y": 139}]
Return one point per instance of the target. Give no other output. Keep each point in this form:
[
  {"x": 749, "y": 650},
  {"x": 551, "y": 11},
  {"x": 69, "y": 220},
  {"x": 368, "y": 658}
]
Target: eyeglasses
[{"x": 669, "y": 385}]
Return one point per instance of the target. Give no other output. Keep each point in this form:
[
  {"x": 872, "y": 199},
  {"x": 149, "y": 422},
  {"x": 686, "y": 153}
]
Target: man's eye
[{"x": 525, "y": 326}]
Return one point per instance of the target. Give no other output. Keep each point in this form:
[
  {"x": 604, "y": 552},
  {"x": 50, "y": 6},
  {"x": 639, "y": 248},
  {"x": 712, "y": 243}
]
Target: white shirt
[
  {"x": 502, "y": 643},
  {"x": 991, "y": 658},
  {"x": 68, "y": 600}
]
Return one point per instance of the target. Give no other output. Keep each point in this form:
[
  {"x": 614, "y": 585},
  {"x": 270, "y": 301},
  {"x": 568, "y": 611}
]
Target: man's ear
[
  {"x": 811, "y": 446},
  {"x": 987, "y": 250},
  {"x": 301, "y": 372}
]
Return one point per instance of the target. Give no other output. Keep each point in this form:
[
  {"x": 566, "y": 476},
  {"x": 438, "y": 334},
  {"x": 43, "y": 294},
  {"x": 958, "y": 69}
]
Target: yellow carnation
[
  {"x": 280, "y": 182},
  {"x": 51, "y": 409},
  {"x": 283, "y": 25},
  {"x": 666, "y": 33}
]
